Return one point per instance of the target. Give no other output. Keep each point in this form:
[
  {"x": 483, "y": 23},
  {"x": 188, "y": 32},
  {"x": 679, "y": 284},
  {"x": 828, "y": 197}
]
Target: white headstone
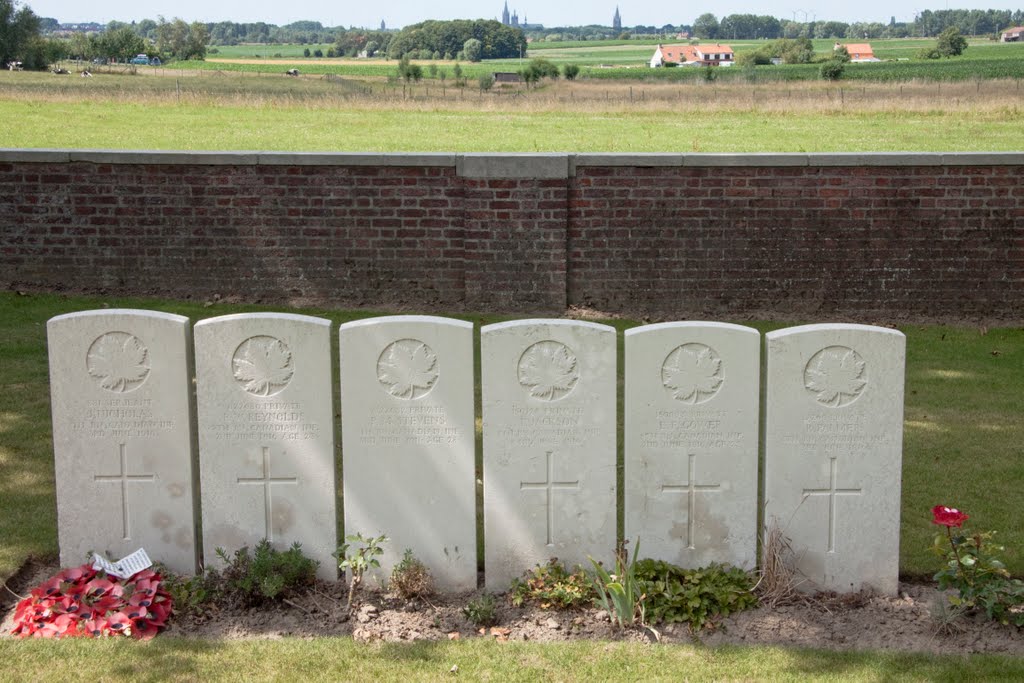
[
  {"x": 691, "y": 431},
  {"x": 408, "y": 440},
  {"x": 833, "y": 451},
  {"x": 122, "y": 436},
  {"x": 549, "y": 423},
  {"x": 266, "y": 434}
]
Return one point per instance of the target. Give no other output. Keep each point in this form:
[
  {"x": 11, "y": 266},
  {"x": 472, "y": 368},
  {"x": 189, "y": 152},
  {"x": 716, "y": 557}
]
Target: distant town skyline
[{"x": 569, "y": 13}]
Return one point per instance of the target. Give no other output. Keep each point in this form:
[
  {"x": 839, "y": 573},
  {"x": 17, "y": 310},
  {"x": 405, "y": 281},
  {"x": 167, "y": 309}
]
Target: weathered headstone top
[
  {"x": 691, "y": 432},
  {"x": 122, "y": 435},
  {"x": 833, "y": 451},
  {"x": 408, "y": 441},
  {"x": 549, "y": 422},
  {"x": 266, "y": 434}
]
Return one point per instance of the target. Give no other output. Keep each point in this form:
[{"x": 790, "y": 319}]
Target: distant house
[
  {"x": 859, "y": 52},
  {"x": 710, "y": 54},
  {"x": 1012, "y": 35},
  {"x": 506, "y": 77}
]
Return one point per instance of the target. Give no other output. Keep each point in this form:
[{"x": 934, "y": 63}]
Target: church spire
[{"x": 617, "y": 20}]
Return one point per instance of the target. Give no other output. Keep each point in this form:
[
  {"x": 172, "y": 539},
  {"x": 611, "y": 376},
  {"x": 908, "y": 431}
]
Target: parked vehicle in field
[{"x": 140, "y": 59}]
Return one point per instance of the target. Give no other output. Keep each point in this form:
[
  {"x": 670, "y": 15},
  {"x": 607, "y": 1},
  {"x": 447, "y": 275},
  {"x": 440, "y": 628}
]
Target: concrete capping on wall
[
  {"x": 513, "y": 166},
  {"x": 428, "y": 159},
  {"x": 166, "y": 158}
]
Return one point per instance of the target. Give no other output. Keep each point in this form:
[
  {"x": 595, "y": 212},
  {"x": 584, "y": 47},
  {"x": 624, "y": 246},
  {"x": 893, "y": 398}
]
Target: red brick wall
[
  {"x": 928, "y": 241},
  {"x": 870, "y": 242},
  {"x": 340, "y": 236}
]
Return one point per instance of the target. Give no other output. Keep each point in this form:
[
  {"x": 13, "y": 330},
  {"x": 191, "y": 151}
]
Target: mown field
[{"x": 195, "y": 110}]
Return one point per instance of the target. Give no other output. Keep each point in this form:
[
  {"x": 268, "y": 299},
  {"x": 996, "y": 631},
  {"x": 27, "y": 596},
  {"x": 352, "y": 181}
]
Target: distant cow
[
  {"x": 292, "y": 72},
  {"x": 14, "y": 66}
]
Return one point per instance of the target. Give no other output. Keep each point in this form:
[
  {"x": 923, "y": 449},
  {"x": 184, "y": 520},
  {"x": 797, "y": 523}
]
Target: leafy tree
[
  {"x": 40, "y": 53},
  {"x": 318, "y": 53},
  {"x": 951, "y": 43},
  {"x": 181, "y": 40},
  {"x": 706, "y": 26},
  {"x": 473, "y": 49},
  {"x": 841, "y": 54},
  {"x": 486, "y": 82},
  {"x": 570, "y": 71},
  {"x": 449, "y": 37},
  {"x": 832, "y": 70},
  {"x": 306, "y": 53},
  {"x": 545, "y": 68},
  {"x": 830, "y": 29},
  {"x": 19, "y": 26},
  {"x": 121, "y": 44}
]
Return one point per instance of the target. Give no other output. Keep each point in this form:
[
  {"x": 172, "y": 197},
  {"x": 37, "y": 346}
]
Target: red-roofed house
[
  {"x": 1012, "y": 35},
  {"x": 711, "y": 54},
  {"x": 859, "y": 52}
]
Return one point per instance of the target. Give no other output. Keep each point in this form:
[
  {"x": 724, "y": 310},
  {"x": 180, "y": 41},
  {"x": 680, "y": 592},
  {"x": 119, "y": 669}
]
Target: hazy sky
[{"x": 570, "y": 13}]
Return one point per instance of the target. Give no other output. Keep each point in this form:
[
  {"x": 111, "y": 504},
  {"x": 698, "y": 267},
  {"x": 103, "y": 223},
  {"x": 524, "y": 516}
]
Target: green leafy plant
[
  {"x": 267, "y": 573},
  {"x": 410, "y": 578},
  {"x": 620, "y": 594},
  {"x": 482, "y": 611},
  {"x": 189, "y": 593},
  {"x": 693, "y": 596},
  {"x": 364, "y": 557},
  {"x": 974, "y": 570},
  {"x": 551, "y": 585}
]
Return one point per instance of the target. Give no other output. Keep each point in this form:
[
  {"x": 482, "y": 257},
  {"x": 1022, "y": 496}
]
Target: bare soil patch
[{"x": 850, "y": 622}]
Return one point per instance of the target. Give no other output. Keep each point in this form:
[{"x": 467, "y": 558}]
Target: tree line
[
  {"x": 30, "y": 39},
  {"x": 927, "y": 24}
]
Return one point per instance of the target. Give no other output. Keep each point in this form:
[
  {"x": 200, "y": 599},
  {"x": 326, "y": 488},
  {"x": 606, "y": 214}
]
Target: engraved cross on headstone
[
  {"x": 266, "y": 481},
  {"x": 548, "y": 485},
  {"x": 831, "y": 492},
  {"x": 123, "y": 478},
  {"x": 691, "y": 489}
]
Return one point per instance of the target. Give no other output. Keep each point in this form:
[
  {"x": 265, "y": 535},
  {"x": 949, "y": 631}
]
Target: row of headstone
[{"x": 124, "y": 441}]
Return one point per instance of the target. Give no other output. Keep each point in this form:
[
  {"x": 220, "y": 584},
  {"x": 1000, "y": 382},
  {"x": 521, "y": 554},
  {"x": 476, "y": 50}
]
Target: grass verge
[{"x": 169, "y": 659}]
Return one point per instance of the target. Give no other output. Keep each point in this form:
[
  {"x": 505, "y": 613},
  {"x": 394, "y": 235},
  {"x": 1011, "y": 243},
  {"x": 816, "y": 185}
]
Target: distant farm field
[{"x": 628, "y": 60}]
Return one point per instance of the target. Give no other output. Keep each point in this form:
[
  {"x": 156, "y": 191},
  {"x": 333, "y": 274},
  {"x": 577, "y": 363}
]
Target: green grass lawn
[
  {"x": 333, "y": 659},
  {"x": 307, "y": 128}
]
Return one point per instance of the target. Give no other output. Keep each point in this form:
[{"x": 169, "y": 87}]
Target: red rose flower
[{"x": 948, "y": 517}]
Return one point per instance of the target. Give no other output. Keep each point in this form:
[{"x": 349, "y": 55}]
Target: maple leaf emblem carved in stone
[
  {"x": 693, "y": 373},
  {"x": 119, "y": 361},
  {"x": 549, "y": 370},
  {"x": 263, "y": 365},
  {"x": 836, "y": 376},
  {"x": 407, "y": 369}
]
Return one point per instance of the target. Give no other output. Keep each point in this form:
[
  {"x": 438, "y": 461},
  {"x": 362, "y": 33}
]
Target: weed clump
[
  {"x": 410, "y": 578},
  {"x": 264, "y": 575},
  {"x": 552, "y": 585},
  {"x": 482, "y": 611},
  {"x": 692, "y": 596}
]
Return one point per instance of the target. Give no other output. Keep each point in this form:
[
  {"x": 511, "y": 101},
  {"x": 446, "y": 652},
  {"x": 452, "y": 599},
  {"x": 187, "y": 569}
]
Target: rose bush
[
  {"x": 974, "y": 570},
  {"x": 84, "y": 602}
]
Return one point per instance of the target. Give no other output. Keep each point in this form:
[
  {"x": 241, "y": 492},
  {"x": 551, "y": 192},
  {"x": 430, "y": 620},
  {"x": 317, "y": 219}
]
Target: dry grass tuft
[{"x": 779, "y": 581}]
